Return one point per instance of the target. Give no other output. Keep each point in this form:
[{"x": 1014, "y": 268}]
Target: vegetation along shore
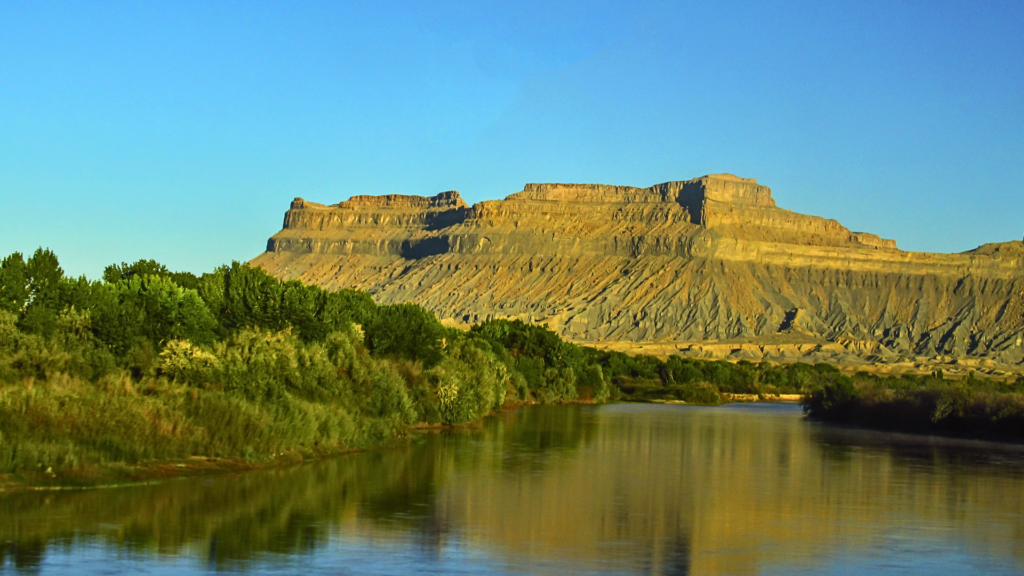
[{"x": 150, "y": 372}]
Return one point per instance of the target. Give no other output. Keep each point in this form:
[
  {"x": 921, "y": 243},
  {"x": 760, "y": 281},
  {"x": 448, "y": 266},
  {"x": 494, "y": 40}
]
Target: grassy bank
[{"x": 967, "y": 408}]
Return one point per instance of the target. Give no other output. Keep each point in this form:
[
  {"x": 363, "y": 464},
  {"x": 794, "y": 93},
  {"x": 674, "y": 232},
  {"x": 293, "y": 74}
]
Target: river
[{"x": 614, "y": 489}]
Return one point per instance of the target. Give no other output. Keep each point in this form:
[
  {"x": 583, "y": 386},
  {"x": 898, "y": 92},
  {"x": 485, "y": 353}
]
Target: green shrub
[
  {"x": 70, "y": 350},
  {"x": 470, "y": 382},
  {"x": 592, "y": 385},
  {"x": 240, "y": 296},
  {"x": 406, "y": 331}
]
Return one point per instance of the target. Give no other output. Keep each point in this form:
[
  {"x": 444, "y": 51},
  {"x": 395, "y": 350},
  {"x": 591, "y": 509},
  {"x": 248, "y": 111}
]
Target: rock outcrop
[{"x": 706, "y": 260}]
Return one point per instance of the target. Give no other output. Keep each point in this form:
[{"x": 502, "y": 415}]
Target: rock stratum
[{"x": 705, "y": 267}]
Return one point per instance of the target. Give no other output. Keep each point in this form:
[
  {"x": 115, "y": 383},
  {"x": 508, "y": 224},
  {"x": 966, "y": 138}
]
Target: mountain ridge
[{"x": 710, "y": 259}]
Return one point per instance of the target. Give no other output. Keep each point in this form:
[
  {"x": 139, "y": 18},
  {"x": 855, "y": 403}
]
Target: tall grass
[{"x": 256, "y": 394}]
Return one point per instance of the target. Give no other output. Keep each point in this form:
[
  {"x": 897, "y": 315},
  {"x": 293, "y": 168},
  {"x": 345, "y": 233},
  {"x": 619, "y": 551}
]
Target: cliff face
[{"x": 708, "y": 259}]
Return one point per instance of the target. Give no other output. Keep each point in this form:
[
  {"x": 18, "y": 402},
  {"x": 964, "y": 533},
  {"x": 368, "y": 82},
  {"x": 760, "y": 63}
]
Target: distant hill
[{"x": 705, "y": 267}]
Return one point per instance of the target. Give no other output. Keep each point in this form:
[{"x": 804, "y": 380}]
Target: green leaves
[
  {"x": 528, "y": 340},
  {"x": 241, "y": 296},
  {"x": 14, "y": 281},
  {"x": 44, "y": 275},
  {"x": 406, "y": 331},
  {"x": 124, "y": 271},
  {"x": 153, "y": 308}
]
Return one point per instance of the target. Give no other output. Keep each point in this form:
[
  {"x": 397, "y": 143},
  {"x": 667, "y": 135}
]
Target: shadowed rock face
[{"x": 708, "y": 259}]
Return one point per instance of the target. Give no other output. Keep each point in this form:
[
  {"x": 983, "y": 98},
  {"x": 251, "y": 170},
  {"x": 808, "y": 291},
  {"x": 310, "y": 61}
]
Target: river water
[{"x": 614, "y": 489}]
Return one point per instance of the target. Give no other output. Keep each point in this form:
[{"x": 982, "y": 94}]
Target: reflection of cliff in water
[
  {"x": 743, "y": 488},
  {"x": 629, "y": 488}
]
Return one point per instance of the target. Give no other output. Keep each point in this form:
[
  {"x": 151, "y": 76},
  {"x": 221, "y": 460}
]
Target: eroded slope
[{"x": 705, "y": 260}]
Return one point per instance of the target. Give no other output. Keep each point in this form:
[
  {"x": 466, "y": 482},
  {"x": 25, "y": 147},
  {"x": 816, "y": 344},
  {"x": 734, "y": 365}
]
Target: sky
[{"x": 180, "y": 131}]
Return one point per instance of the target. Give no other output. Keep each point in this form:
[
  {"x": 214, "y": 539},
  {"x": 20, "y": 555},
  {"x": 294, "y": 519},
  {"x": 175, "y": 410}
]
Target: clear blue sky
[{"x": 181, "y": 130}]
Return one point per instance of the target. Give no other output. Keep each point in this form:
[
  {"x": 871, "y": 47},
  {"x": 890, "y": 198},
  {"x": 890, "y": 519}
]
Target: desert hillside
[{"x": 706, "y": 267}]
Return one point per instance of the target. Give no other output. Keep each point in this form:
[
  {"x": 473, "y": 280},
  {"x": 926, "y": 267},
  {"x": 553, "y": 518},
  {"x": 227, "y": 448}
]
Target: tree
[
  {"x": 124, "y": 271},
  {"x": 528, "y": 340},
  {"x": 151, "y": 308},
  {"x": 250, "y": 297},
  {"x": 14, "y": 290},
  {"x": 407, "y": 331},
  {"x": 44, "y": 285},
  {"x": 242, "y": 296},
  {"x": 44, "y": 276}
]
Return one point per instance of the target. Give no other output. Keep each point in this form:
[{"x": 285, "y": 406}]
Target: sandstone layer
[{"x": 709, "y": 267}]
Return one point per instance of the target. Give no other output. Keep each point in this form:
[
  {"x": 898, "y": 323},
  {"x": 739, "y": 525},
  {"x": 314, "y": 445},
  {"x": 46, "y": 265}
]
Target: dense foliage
[
  {"x": 924, "y": 404},
  {"x": 154, "y": 364},
  {"x": 548, "y": 363}
]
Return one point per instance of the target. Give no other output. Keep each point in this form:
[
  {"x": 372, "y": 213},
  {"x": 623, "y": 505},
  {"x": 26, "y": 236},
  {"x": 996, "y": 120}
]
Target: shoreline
[
  {"x": 119, "y": 475},
  {"x": 1010, "y": 443},
  {"x": 849, "y": 357}
]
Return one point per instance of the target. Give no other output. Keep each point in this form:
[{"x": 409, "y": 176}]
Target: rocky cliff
[{"x": 711, "y": 266}]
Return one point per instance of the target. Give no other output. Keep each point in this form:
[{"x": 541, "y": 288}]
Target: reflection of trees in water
[
  {"x": 598, "y": 505},
  {"x": 971, "y": 487},
  {"x": 678, "y": 561},
  {"x": 227, "y": 519},
  {"x": 840, "y": 443},
  {"x": 25, "y": 555},
  {"x": 543, "y": 430}
]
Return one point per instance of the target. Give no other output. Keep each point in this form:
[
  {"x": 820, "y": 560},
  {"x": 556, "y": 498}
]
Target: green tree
[
  {"x": 523, "y": 339},
  {"x": 150, "y": 308},
  {"x": 44, "y": 276},
  {"x": 242, "y": 296},
  {"x": 406, "y": 331},
  {"x": 44, "y": 284},
  {"x": 124, "y": 271},
  {"x": 681, "y": 371},
  {"x": 14, "y": 288}
]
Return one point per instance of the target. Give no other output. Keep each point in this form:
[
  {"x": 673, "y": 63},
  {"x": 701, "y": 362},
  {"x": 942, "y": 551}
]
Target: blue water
[{"x": 616, "y": 489}]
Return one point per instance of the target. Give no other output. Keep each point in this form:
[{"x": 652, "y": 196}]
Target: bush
[
  {"x": 592, "y": 385},
  {"x": 406, "y": 331},
  {"x": 471, "y": 382},
  {"x": 71, "y": 350},
  {"x": 969, "y": 407}
]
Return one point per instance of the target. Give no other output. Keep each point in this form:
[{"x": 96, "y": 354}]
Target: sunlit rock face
[{"x": 687, "y": 262}]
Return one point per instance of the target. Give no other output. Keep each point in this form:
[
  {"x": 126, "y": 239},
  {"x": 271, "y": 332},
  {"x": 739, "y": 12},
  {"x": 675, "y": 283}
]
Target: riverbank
[
  {"x": 112, "y": 476},
  {"x": 100, "y": 379},
  {"x": 122, "y": 473},
  {"x": 532, "y": 486},
  {"x": 970, "y": 408},
  {"x": 848, "y": 356},
  {"x": 119, "y": 474},
  {"x": 735, "y": 398}
]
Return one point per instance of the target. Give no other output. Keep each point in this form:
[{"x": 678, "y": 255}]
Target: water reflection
[{"x": 621, "y": 488}]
